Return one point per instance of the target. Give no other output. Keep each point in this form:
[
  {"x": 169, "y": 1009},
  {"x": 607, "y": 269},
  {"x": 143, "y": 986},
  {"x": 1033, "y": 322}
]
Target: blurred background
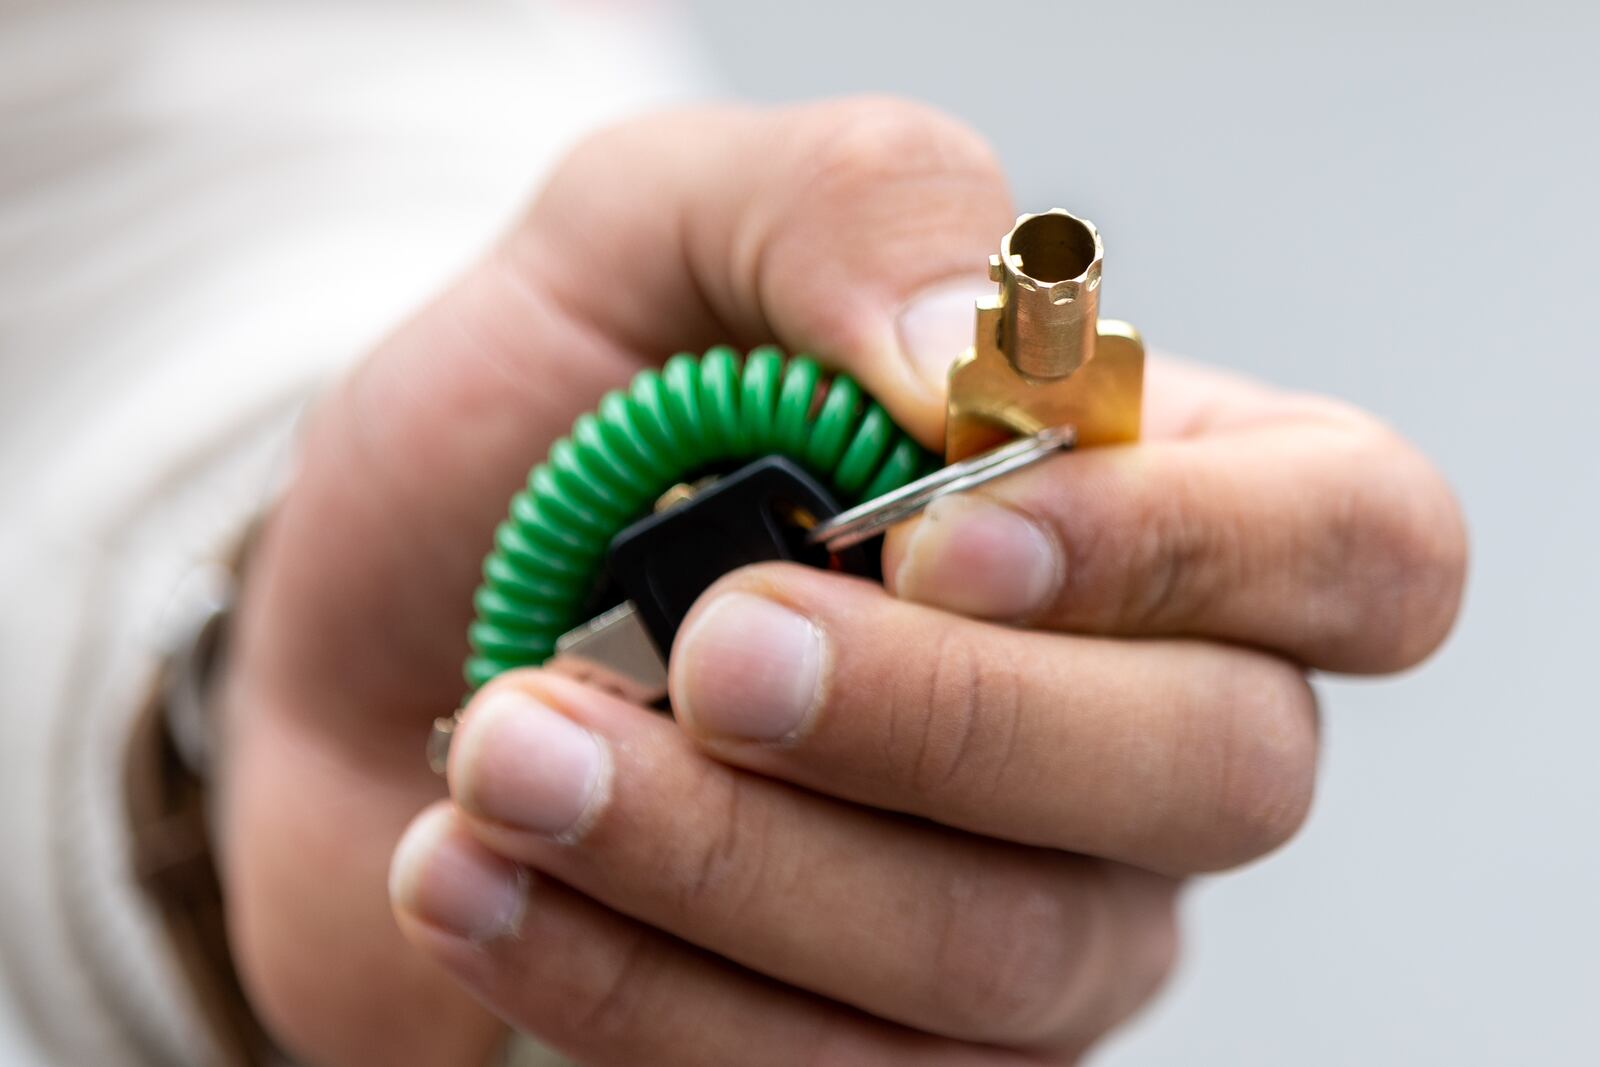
[{"x": 1395, "y": 205}]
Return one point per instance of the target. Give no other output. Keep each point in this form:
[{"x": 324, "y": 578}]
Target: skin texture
[{"x": 1131, "y": 709}]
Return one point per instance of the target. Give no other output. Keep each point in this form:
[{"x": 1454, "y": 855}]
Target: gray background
[{"x": 1395, "y": 205}]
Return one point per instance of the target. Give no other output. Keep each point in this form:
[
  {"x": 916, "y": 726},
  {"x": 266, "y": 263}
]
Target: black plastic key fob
[{"x": 757, "y": 514}]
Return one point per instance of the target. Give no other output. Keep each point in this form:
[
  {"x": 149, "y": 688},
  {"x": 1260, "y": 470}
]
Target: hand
[{"x": 632, "y": 891}]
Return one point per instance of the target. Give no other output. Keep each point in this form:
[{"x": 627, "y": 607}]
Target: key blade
[
  {"x": 873, "y": 517},
  {"x": 613, "y": 651}
]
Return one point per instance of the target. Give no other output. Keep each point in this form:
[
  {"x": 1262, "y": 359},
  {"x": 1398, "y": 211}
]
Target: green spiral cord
[{"x": 668, "y": 427}]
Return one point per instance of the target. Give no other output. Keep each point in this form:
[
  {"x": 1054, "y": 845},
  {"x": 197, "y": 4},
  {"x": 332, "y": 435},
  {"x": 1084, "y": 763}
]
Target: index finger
[{"x": 1310, "y": 529}]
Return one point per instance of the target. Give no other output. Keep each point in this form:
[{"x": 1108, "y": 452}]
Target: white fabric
[{"x": 206, "y": 210}]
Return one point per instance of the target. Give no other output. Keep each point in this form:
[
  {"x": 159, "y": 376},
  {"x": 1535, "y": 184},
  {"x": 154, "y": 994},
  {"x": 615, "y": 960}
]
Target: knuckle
[
  {"x": 964, "y": 716},
  {"x": 1267, "y": 764},
  {"x": 901, "y": 195},
  {"x": 1147, "y": 561},
  {"x": 612, "y": 1002},
  {"x": 1403, "y": 534},
  {"x": 1141, "y": 944},
  {"x": 1427, "y": 543},
  {"x": 1152, "y": 956},
  {"x": 1011, "y": 953},
  {"x": 868, "y": 140},
  {"x": 723, "y": 867}
]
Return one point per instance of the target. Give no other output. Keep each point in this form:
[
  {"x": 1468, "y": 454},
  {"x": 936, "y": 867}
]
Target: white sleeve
[{"x": 206, "y": 211}]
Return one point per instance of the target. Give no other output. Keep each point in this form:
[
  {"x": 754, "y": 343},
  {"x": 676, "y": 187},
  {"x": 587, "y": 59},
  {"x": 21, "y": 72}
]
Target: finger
[
  {"x": 605, "y": 989},
  {"x": 1175, "y": 756},
  {"x": 944, "y": 932},
  {"x": 1318, "y": 534}
]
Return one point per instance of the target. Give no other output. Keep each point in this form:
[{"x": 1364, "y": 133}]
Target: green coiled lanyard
[{"x": 694, "y": 416}]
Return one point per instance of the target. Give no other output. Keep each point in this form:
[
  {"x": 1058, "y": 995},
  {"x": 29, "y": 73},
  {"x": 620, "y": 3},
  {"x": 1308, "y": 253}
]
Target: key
[
  {"x": 867, "y": 520},
  {"x": 661, "y": 564}
]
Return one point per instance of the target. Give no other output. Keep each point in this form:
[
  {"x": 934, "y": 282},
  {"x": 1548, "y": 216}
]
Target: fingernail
[
  {"x": 449, "y": 881},
  {"x": 936, "y": 325},
  {"x": 979, "y": 558},
  {"x": 748, "y": 668},
  {"x": 527, "y": 766}
]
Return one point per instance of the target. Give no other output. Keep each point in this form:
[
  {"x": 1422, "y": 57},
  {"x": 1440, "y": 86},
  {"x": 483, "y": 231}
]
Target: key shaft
[{"x": 866, "y": 520}]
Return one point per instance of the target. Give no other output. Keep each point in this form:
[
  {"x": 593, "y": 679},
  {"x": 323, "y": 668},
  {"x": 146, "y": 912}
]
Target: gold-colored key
[{"x": 1042, "y": 356}]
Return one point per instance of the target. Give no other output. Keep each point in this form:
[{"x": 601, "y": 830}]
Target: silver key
[{"x": 864, "y": 520}]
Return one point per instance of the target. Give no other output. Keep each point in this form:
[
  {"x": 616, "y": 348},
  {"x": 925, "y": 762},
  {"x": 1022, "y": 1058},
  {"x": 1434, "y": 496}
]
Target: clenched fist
[{"x": 938, "y": 823}]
